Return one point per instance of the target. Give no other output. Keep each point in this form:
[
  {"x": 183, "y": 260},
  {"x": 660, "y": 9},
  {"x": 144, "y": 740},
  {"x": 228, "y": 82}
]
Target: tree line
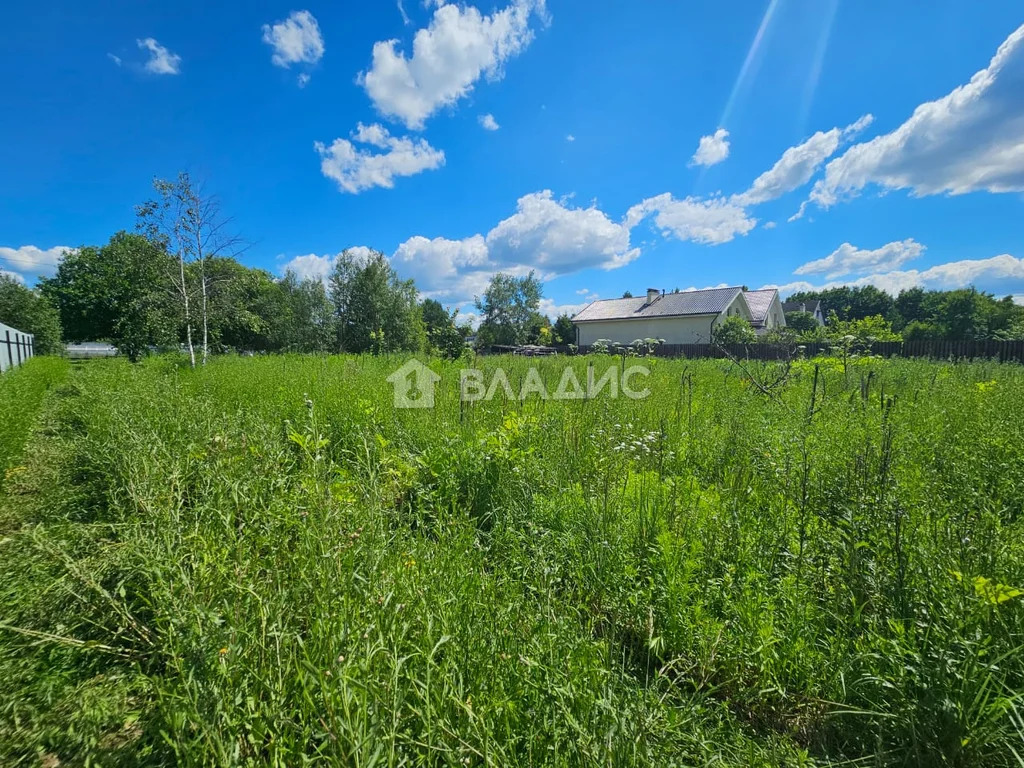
[
  {"x": 176, "y": 282},
  {"x": 914, "y": 313}
]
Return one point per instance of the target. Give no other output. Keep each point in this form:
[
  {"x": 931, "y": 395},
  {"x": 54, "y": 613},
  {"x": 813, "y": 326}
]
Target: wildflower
[
  {"x": 223, "y": 652},
  {"x": 341, "y": 658}
]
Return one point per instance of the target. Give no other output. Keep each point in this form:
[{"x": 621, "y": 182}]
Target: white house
[
  {"x": 687, "y": 317},
  {"x": 766, "y": 310}
]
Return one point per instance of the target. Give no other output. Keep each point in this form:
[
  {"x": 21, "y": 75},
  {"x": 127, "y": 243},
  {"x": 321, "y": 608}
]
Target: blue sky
[{"x": 607, "y": 145}]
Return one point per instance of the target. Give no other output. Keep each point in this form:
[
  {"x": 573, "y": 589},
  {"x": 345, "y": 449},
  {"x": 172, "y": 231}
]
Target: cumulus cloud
[
  {"x": 999, "y": 274},
  {"x": 712, "y": 149},
  {"x": 709, "y": 221},
  {"x": 850, "y": 260},
  {"x": 316, "y": 267},
  {"x": 12, "y": 275},
  {"x": 161, "y": 61},
  {"x": 971, "y": 139},
  {"x": 487, "y": 122},
  {"x": 30, "y": 261},
  {"x": 448, "y": 57},
  {"x": 356, "y": 169},
  {"x": 296, "y": 40},
  {"x": 570, "y": 138},
  {"x": 798, "y": 164},
  {"x": 543, "y": 234},
  {"x": 560, "y": 239}
]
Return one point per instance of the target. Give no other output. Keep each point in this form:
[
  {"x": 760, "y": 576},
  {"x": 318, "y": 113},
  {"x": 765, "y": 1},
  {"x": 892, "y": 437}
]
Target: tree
[
  {"x": 851, "y": 303},
  {"x": 507, "y": 308},
  {"x": 734, "y": 330},
  {"x": 376, "y": 311},
  {"x": 801, "y": 322},
  {"x": 538, "y": 329},
  {"x": 563, "y": 331},
  {"x": 443, "y": 335},
  {"x": 30, "y": 312},
  {"x": 189, "y": 225},
  {"x": 627, "y": 295},
  {"x": 115, "y": 292},
  {"x": 306, "y": 320},
  {"x": 865, "y": 330}
]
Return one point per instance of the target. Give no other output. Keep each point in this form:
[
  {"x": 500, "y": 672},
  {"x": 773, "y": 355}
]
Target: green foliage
[
  {"x": 850, "y": 303},
  {"x": 30, "y": 312},
  {"x": 734, "y": 330},
  {"x": 264, "y": 562},
  {"x": 508, "y": 309},
  {"x": 443, "y": 335},
  {"x": 961, "y": 314},
  {"x": 376, "y": 311},
  {"x": 563, "y": 331},
  {"x": 802, "y": 322},
  {"x": 865, "y": 330},
  {"x": 22, "y": 390},
  {"x": 116, "y": 293}
]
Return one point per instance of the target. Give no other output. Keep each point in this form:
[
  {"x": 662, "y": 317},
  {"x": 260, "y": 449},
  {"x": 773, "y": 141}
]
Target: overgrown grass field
[{"x": 263, "y": 562}]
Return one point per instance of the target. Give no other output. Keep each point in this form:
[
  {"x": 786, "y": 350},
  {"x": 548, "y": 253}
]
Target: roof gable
[
  {"x": 760, "y": 302},
  {"x": 712, "y": 301}
]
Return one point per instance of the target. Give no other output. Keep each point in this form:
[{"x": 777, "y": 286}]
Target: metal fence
[{"x": 15, "y": 347}]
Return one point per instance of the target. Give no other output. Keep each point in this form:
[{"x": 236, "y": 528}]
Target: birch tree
[{"x": 189, "y": 224}]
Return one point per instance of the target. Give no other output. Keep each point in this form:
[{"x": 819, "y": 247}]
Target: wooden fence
[
  {"x": 1003, "y": 351},
  {"x": 15, "y": 347}
]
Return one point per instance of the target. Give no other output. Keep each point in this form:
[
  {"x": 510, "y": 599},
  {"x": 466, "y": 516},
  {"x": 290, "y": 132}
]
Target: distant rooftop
[
  {"x": 712, "y": 301},
  {"x": 760, "y": 302}
]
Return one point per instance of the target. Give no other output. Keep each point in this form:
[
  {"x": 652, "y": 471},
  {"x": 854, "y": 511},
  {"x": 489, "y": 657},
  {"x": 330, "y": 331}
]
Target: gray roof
[
  {"x": 710, "y": 302},
  {"x": 801, "y": 306},
  {"x": 760, "y": 302}
]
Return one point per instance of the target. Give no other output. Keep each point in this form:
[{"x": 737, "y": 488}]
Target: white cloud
[
  {"x": 303, "y": 80},
  {"x": 570, "y": 138},
  {"x": 552, "y": 310},
  {"x": 543, "y": 234},
  {"x": 115, "y": 59},
  {"x": 850, "y": 260},
  {"x": 488, "y": 122},
  {"x": 708, "y": 221},
  {"x": 316, "y": 267},
  {"x": 295, "y": 40},
  {"x": 712, "y": 149},
  {"x": 458, "y": 47},
  {"x": 356, "y": 169},
  {"x": 798, "y": 164},
  {"x": 1018, "y": 298},
  {"x": 999, "y": 274},
  {"x": 32, "y": 261},
  {"x": 161, "y": 61},
  {"x": 12, "y": 275},
  {"x": 971, "y": 139},
  {"x": 405, "y": 17}
]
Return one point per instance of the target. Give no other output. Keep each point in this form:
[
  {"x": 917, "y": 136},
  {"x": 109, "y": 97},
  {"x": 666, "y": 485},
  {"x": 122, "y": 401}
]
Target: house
[
  {"x": 765, "y": 309},
  {"x": 813, "y": 307},
  {"x": 686, "y": 317}
]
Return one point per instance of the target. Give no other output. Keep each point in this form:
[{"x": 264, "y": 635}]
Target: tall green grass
[
  {"x": 264, "y": 562},
  {"x": 21, "y": 394}
]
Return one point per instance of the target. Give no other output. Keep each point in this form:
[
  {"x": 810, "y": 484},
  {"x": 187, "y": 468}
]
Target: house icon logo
[{"x": 414, "y": 385}]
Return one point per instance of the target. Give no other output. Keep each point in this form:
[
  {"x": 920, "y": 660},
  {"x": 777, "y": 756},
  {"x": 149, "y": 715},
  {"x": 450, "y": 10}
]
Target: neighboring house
[
  {"x": 813, "y": 307},
  {"x": 765, "y": 309},
  {"x": 90, "y": 349},
  {"x": 687, "y": 317}
]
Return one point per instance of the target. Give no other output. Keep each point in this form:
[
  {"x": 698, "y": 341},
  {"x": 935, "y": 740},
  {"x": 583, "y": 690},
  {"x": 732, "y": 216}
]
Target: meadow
[{"x": 264, "y": 562}]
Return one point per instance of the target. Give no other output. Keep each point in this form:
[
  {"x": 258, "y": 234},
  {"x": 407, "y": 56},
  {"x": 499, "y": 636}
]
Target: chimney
[{"x": 652, "y": 294}]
